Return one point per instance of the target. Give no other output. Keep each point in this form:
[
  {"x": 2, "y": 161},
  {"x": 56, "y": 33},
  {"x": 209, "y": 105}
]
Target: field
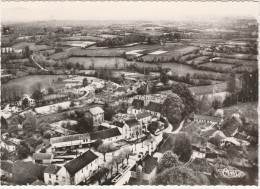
[
  {"x": 32, "y": 46},
  {"x": 216, "y": 65},
  {"x": 45, "y": 80},
  {"x": 98, "y": 61},
  {"x": 201, "y": 90},
  {"x": 198, "y": 59},
  {"x": 248, "y": 109}
]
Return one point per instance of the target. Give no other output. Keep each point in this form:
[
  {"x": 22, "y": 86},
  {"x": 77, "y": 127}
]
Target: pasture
[
  {"x": 45, "y": 80},
  {"x": 202, "y": 90}
]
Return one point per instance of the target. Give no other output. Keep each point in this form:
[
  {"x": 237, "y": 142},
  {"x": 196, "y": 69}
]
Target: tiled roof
[
  {"x": 42, "y": 156},
  {"x": 132, "y": 122},
  {"x": 69, "y": 138},
  {"x": 230, "y": 126},
  {"x": 118, "y": 123},
  {"x": 138, "y": 104},
  {"x": 154, "y": 107},
  {"x": 80, "y": 162},
  {"x": 96, "y": 110},
  {"x": 7, "y": 142},
  {"x": 143, "y": 115},
  {"x": 108, "y": 133},
  {"x": 205, "y": 117},
  {"x": 52, "y": 169}
]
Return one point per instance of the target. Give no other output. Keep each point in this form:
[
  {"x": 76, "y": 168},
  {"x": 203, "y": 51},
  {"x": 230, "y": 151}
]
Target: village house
[
  {"x": 78, "y": 169},
  {"x": 69, "y": 141},
  {"x": 107, "y": 135},
  {"x": 154, "y": 108},
  {"x": 136, "y": 107},
  {"x": 97, "y": 115},
  {"x": 50, "y": 174},
  {"x": 31, "y": 102},
  {"x": 42, "y": 158},
  {"x": 144, "y": 171},
  {"x": 205, "y": 119},
  {"x": 132, "y": 128},
  {"x": 7, "y": 144},
  {"x": 144, "y": 118}
]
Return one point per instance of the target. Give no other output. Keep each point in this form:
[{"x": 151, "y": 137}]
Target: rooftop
[
  {"x": 205, "y": 117},
  {"x": 147, "y": 162},
  {"x": 69, "y": 138},
  {"x": 96, "y": 110},
  {"x": 132, "y": 122},
  {"x": 143, "y": 115},
  {"x": 52, "y": 169},
  {"x": 6, "y": 166},
  {"x": 138, "y": 104},
  {"x": 42, "y": 156},
  {"x": 154, "y": 107},
  {"x": 108, "y": 133},
  {"x": 80, "y": 162}
]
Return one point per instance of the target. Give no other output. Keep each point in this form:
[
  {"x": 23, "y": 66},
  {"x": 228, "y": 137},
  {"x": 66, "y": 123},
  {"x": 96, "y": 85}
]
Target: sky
[{"x": 42, "y": 11}]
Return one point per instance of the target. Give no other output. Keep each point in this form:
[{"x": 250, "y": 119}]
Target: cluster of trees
[
  {"x": 85, "y": 123},
  {"x": 248, "y": 91},
  {"x": 218, "y": 77},
  {"x": 120, "y": 41},
  {"x": 171, "y": 171},
  {"x": 187, "y": 79},
  {"x": 75, "y": 66},
  {"x": 179, "y": 104},
  {"x": 12, "y": 93}
]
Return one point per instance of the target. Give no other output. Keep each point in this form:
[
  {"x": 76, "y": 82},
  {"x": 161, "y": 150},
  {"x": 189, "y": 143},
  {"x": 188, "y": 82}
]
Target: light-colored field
[
  {"x": 216, "y": 65},
  {"x": 32, "y": 46},
  {"x": 202, "y": 90},
  {"x": 45, "y": 80},
  {"x": 158, "y": 52}
]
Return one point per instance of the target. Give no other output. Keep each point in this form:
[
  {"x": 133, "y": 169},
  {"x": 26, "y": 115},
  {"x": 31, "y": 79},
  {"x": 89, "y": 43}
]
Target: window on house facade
[{"x": 49, "y": 175}]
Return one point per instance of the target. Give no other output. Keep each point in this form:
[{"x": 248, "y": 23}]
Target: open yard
[{"x": 45, "y": 80}]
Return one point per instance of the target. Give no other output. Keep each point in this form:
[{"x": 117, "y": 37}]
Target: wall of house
[
  {"x": 64, "y": 177},
  {"x": 50, "y": 179},
  {"x": 9, "y": 148},
  {"x": 85, "y": 172},
  {"x": 98, "y": 118}
]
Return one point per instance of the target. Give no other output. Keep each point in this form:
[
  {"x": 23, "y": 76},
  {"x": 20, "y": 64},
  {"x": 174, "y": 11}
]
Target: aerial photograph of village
[{"x": 129, "y": 93}]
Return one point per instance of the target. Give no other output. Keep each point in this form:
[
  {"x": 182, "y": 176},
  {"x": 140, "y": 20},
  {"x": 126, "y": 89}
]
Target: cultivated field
[{"x": 202, "y": 90}]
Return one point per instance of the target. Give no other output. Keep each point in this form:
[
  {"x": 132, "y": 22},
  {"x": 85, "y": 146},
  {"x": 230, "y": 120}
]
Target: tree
[
  {"x": 168, "y": 160},
  {"x": 177, "y": 176},
  {"x": 12, "y": 129},
  {"x": 127, "y": 152},
  {"x": 25, "y": 102},
  {"x": 104, "y": 148},
  {"x": 84, "y": 125},
  {"x": 30, "y": 122},
  {"x": 118, "y": 160},
  {"x": 97, "y": 143},
  {"x": 173, "y": 108},
  {"x": 50, "y": 90},
  {"x": 216, "y": 104},
  {"x": 23, "y": 150},
  {"x": 164, "y": 77},
  {"x": 36, "y": 91},
  {"x": 187, "y": 98},
  {"x": 182, "y": 147},
  {"x": 100, "y": 173},
  {"x": 26, "y": 52},
  {"x": 231, "y": 82},
  {"x": 85, "y": 82},
  {"x": 4, "y": 124},
  {"x": 203, "y": 104}
]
